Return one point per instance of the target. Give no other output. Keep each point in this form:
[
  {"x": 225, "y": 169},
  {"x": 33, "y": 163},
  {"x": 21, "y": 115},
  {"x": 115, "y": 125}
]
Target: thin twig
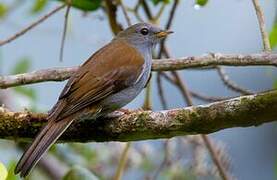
[
  {"x": 183, "y": 88},
  {"x": 172, "y": 14},
  {"x": 164, "y": 162},
  {"x": 168, "y": 77},
  {"x": 31, "y": 26},
  {"x": 187, "y": 96},
  {"x": 125, "y": 13},
  {"x": 135, "y": 10},
  {"x": 52, "y": 167},
  {"x": 147, "y": 10},
  {"x": 261, "y": 20},
  {"x": 111, "y": 11},
  {"x": 205, "y": 138},
  {"x": 161, "y": 92},
  {"x": 207, "y": 98},
  {"x": 169, "y": 24},
  {"x": 147, "y": 105},
  {"x": 122, "y": 162},
  {"x": 230, "y": 84},
  {"x": 160, "y": 12},
  {"x": 65, "y": 29},
  {"x": 193, "y": 93},
  {"x": 223, "y": 75},
  {"x": 215, "y": 158}
]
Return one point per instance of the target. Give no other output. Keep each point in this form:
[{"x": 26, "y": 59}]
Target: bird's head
[{"x": 143, "y": 34}]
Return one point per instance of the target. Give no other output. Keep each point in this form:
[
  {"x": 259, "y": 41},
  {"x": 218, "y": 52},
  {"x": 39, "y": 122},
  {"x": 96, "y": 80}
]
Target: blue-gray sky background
[{"x": 221, "y": 26}]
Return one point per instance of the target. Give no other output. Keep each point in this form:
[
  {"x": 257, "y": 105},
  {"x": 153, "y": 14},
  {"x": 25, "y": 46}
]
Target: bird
[{"x": 111, "y": 78}]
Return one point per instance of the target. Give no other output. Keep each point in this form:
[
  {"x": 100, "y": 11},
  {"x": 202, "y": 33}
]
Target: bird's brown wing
[
  {"x": 111, "y": 69},
  {"x": 108, "y": 71}
]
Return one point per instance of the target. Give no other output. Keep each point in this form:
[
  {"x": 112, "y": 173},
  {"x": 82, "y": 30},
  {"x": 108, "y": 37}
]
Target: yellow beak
[{"x": 163, "y": 34}]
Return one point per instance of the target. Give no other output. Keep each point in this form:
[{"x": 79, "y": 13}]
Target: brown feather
[
  {"x": 106, "y": 72},
  {"x": 110, "y": 70},
  {"x": 50, "y": 133}
]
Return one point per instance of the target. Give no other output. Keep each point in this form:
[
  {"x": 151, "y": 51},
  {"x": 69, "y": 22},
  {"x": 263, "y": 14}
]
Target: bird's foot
[{"x": 125, "y": 111}]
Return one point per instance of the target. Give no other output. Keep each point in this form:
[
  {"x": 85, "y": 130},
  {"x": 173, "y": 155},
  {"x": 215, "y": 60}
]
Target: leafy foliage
[
  {"x": 275, "y": 84},
  {"x": 38, "y": 6},
  {"x": 23, "y": 66},
  {"x": 28, "y": 92},
  {"x": 86, "y": 5},
  {"x": 3, "y": 171},
  {"x": 156, "y": 2},
  {"x": 201, "y": 2},
  {"x": 11, "y": 175},
  {"x": 273, "y": 36},
  {"x": 3, "y": 10}
]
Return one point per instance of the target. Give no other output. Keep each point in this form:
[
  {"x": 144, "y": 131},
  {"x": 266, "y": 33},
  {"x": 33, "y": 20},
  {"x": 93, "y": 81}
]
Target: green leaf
[
  {"x": 28, "y": 92},
  {"x": 3, "y": 10},
  {"x": 273, "y": 35},
  {"x": 147, "y": 165},
  {"x": 156, "y": 2},
  {"x": 78, "y": 172},
  {"x": 3, "y": 171},
  {"x": 11, "y": 175},
  {"x": 201, "y": 2},
  {"x": 275, "y": 84},
  {"x": 86, "y": 5},
  {"x": 38, "y": 6},
  {"x": 22, "y": 66}
]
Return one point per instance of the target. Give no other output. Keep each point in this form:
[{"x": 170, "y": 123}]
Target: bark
[
  {"x": 208, "y": 60},
  {"x": 244, "y": 111}
]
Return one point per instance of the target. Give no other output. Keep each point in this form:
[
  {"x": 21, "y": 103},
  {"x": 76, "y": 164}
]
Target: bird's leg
[
  {"x": 148, "y": 80},
  {"x": 125, "y": 111},
  {"x": 118, "y": 113}
]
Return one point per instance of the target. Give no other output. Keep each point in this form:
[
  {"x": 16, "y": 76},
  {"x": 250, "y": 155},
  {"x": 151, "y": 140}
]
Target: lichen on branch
[{"x": 242, "y": 111}]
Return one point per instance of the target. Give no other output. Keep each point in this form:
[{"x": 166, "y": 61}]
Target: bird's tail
[{"x": 43, "y": 141}]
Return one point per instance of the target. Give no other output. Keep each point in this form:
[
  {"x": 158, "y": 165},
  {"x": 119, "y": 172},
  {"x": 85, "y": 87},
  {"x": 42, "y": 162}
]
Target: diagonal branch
[
  {"x": 128, "y": 19},
  {"x": 243, "y": 111},
  {"x": 65, "y": 29},
  {"x": 61, "y": 74},
  {"x": 111, "y": 11},
  {"x": 231, "y": 84},
  {"x": 31, "y": 26},
  {"x": 261, "y": 20}
]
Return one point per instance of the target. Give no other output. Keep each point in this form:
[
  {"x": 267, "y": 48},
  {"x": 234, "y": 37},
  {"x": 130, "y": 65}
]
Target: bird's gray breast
[{"x": 125, "y": 96}]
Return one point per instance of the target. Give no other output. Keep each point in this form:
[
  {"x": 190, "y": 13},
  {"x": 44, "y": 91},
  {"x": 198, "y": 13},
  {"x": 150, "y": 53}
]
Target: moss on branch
[{"x": 243, "y": 111}]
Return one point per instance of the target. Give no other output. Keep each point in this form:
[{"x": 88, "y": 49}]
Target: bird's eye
[{"x": 144, "y": 31}]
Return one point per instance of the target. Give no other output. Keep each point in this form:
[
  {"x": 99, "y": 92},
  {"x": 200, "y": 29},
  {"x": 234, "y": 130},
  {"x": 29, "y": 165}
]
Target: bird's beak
[{"x": 163, "y": 34}]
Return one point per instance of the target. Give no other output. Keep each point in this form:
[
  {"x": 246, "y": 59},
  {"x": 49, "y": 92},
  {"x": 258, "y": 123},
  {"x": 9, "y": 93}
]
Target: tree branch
[
  {"x": 261, "y": 20},
  {"x": 65, "y": 24},
  {"x": 231, "y": 84},
  {"x": 61, "y": 74},
  {"x": 31, "y": 26},
  {"x": 243, "y": 111}
]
